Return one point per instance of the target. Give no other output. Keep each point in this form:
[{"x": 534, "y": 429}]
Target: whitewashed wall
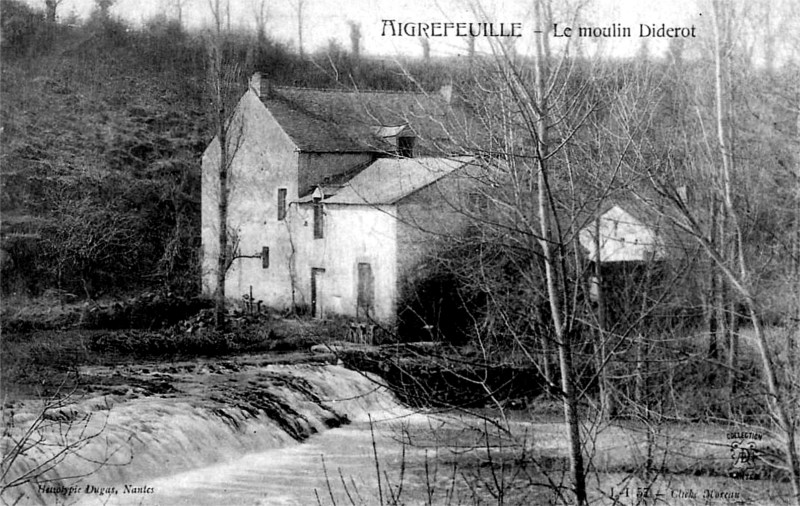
[
  {"x": 266, "y": 159},
  {"x": 623, "y": 238},
  {"x": 352, "y": 234}
]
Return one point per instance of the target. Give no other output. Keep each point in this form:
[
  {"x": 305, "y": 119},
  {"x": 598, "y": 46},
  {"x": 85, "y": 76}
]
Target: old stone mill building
[{"x": 335, "y": 197}]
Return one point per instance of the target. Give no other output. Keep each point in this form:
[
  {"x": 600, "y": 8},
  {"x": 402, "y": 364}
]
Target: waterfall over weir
[{"x": 111, "y": 449}]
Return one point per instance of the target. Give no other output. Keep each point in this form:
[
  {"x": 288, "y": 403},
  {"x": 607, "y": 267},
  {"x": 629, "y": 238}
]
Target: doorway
[
  {"x": 316, "y": 292},
  {"x": 366, "y": 290}
]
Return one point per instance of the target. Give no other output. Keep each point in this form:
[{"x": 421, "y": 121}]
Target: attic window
[{"x": 405, "y": 147}]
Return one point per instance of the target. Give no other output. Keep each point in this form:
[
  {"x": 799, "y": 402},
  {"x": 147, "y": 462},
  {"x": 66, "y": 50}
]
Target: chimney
[{"x": 260, "y": 85}]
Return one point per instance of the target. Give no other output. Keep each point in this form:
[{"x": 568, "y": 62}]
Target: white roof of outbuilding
[{"x": 390, "y": 131}]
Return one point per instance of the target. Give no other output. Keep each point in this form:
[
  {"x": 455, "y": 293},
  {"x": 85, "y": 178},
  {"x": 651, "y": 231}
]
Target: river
[
  {"x": 293, "y": 475},
  {"x": 422, "y": 457}
]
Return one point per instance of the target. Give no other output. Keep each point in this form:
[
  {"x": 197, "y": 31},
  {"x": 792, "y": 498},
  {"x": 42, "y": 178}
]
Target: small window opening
[
  {"x": 405, "y": 147},
  {"x": 281, "y": 204},
  {"x": 318, "y": 219}
]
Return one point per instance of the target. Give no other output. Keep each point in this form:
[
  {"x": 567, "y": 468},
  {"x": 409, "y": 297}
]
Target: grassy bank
[{"x": 43, "y": 363}]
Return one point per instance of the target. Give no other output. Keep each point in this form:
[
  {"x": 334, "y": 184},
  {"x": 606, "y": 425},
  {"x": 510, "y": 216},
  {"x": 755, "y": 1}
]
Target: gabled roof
[
  {"x": 390, "y": 179},
  {"x": 622, "y": 238},
  {"x": 349, "y": 121},
  {"x": 656, "y": 236},
  {"x": 309, "y": 133}
]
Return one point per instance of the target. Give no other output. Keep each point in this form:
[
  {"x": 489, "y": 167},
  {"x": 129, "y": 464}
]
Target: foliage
[
  {"x": 23, "y": 28},
  {"x": 424, "y": 376},
  {"x": 97, "y": 160}
]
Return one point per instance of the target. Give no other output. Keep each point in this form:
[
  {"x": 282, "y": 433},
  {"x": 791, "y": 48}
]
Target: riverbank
[
  {"x": 126, "y": 417},
  {"x": 247, "y": 430}
]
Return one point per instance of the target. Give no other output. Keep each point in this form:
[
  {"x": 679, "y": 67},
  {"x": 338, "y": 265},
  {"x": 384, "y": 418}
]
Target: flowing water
[
  {"x": 221, "y": 447},
  {"x": 294, "y": 475},
  {"x": 101, "y": 444}
]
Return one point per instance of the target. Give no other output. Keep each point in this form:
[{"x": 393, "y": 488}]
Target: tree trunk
[
  {"x": 300, "y": 27},
  {"x": 547, "y": 370},
  {"x": 733, "y": 346},
  {"x": 50, "y": 10},
  {"x": 721, "y": 296},
  {"x": 228, "y": 16},
  {"x": 222, "y": 137},
  {"x": 713, "y": 287},
  {"x": 776, "y": 399},
  {"x": 643, "y": 353},
  {"x": 607, "y": 405},
  {"x": 563, "y": 339}
]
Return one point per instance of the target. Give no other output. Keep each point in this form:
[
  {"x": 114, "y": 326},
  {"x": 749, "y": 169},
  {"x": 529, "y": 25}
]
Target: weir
[{"x": 117, "y": 444}]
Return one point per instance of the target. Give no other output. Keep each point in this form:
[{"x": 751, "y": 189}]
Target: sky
[{"x": 326, "y": 20}]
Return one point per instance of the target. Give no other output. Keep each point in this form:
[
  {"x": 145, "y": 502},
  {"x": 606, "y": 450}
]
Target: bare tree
[
  {"x": 104, "y": 7},
  {"x": 260, "y": 17},
  {"x": 355, "y": 39},
  {"x": 51, "y": 6},
  {"x": 180, "y": 6},
  {"x": 535, "y": 117},
  {"x": 221, "y": 78},
  {"x": 33, "y": 452},
  {"x": 722, "y": 234},
  {"x": 740, "y": 281},
  {"x": 540, "y": 111},
  {"x": 426, "y": 48},
  {"x": 299, "y": 5}
]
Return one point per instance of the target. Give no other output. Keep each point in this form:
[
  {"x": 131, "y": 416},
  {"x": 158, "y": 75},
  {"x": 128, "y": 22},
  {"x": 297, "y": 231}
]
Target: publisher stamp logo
[{"x": 744, "y": 453}]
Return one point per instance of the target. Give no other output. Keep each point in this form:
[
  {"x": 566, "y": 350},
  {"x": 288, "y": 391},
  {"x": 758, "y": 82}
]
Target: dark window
[
  {"x": 318, "y": 219},
  {"x": 265, "y": 257},
  {"x": 281, "y": 203},
  {"x": 366, "y": 287},
  {"x": 405, "y": 147}
]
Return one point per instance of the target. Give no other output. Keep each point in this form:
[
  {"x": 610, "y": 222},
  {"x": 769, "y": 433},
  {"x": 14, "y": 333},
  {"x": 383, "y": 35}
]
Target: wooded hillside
[{"x": 103, "y": 130}]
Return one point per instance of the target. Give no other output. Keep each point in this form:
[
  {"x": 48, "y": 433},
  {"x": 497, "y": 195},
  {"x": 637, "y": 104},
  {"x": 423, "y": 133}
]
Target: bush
[
  {"x": 425, "y": 377},
  {"x": 151, "y": 310},
  {"x": 208, "y": 342},
  {"x": 22, "y": 28},
  {"x": 438, "y": 307}
]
